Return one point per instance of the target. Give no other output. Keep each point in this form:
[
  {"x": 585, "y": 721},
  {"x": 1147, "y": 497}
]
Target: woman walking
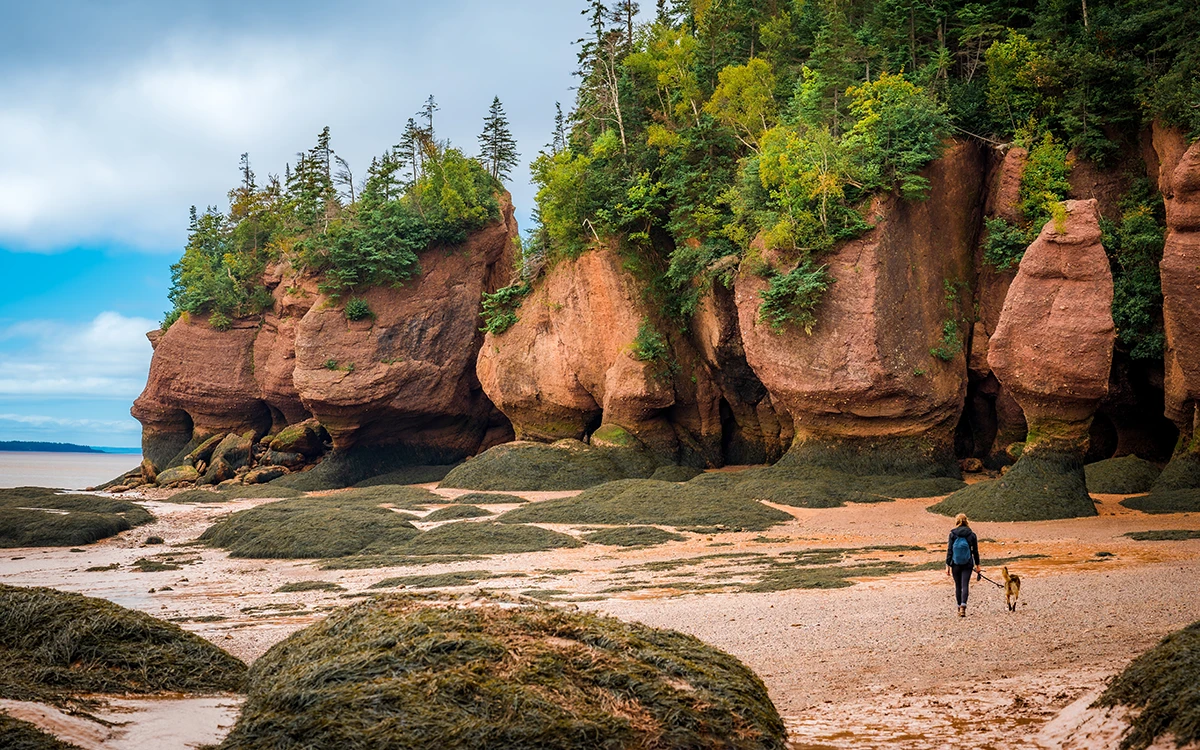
[{"x": 962, "y": 556}]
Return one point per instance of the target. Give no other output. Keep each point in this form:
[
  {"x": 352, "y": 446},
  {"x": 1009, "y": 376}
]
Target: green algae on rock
[
  {"x": 1042, "y": 486},
  {"x": 468, "y": 673},
  {"x": 1127, "y": 475}
]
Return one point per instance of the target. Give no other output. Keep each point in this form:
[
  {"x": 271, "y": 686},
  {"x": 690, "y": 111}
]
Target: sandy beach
[{"x": 884, "y": 662}]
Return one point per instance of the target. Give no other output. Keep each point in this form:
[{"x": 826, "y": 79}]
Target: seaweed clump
[
  {"x": 41, "y": 517},
  {"x": 466, "y": 673},
  {"x": 312, "y": 527},
  {"x": 1165, "y": 535},
  {"x": 455, "y": 513},
  {"x": 565, "y": 465},
  {"x": 1126, "y": 475},
  {"x": 1162, "y": 684},
  {"x": 473, "y": 538},
  {"x": 21, "y": 735},
  {"x": 647, "y": 501},
  {"x": 1166, "y": 501},
  {"x": 632, "y": 536},
  {"x": 55, "y": 644},
  {"x": 1041, "y": 486}
]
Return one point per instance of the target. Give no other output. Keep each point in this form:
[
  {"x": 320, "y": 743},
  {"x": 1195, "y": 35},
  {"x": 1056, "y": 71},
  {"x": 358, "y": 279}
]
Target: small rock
[
  {"x": 154, "y": 540},
  {"x": 971, "y": 465}
]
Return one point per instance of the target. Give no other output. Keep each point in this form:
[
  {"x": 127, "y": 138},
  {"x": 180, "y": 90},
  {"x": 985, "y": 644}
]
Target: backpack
[{"x": 961, "y": 551}]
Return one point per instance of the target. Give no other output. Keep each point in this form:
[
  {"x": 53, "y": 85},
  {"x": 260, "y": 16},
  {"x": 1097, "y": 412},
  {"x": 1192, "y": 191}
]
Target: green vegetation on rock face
[
  {"x": 418, "y": 194},
  {"x": 567, "y": 465},
  {"x": 1126, "y": 475},
  {"x": 427, "y": 673},
  {"x": 721, "y": 122},
  {"x": 40, "y": 517},
  {"x": 1161, "y": 686},
  {"x": 54, "y": 645}
]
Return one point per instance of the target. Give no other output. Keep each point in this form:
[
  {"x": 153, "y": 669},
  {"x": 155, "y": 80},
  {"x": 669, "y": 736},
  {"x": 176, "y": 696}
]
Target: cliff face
[
  {"x": 866, "y": 372},
  {"x": 403, "y": 378},
  {"x": 911, "y": 356}
]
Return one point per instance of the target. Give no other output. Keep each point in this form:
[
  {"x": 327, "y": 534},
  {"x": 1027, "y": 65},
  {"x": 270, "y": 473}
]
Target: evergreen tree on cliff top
[{"x": 497, "y": 147}]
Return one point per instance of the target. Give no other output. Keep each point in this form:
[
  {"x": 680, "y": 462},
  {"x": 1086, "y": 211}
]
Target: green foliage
[
  {"x": 951, "y": 343},
  {"x": 353, "y": 241},
  {"x": 358, "y": 309},
  {"x": 1135, "y": 246},
  {"x": 500, "y": 307},
  {"x": 1004, "y": 244},
  {"x": 219, "y": 321},
  {"x": 792, "y": 298},
  {"x": 1044, "y": 181},
  {"x": 649, "y": 345}
]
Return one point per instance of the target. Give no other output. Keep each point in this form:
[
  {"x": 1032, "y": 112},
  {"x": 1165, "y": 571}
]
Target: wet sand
[{"x": 883, "y": 663}]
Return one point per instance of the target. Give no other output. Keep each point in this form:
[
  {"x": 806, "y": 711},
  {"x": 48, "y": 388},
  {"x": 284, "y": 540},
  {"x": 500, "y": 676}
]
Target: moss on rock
[
  {"x": 1126, "y": 475},
  {"x": 41, "y": 517},
  {"x": 1041, "y": 486},
  {"x": 54, "y": 645},
  {"x": 1161, "y": 685},
  {"x": 452, "y": 674}
]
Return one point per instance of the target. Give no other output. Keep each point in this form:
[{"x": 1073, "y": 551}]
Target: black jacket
[{"x": 964, "y": 531}]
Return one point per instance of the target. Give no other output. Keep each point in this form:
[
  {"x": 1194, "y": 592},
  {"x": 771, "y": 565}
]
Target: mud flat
[{"x": 853, "y": 628}]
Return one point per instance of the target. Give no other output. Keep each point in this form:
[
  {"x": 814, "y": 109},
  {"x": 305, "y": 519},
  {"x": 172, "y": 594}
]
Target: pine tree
[
  {"x": 497, "y": 147},
  {"x": 558, "y": 141},
  {"x": 409, "y": 150},
  {"x": 623, "y": 14}
]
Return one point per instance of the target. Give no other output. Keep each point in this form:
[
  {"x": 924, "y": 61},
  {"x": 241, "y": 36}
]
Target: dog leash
[{"x": 989, "y": 580}]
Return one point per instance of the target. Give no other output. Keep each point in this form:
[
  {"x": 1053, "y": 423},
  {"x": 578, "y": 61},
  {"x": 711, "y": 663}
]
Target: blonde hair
[{"x": 961, "y": 520}]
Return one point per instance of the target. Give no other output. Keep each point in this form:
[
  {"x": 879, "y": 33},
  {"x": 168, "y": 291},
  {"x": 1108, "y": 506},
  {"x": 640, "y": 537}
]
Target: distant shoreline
[{"x": 33, "y": 446}]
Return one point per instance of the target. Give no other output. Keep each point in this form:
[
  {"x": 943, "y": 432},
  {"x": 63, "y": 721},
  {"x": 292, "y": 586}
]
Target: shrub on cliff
[
  {"x": 54, "y": 645},
  {"x": 449, "y": 673},
  {"x": 40, "y": 517},
  {"x": 1161, "y": 686}
]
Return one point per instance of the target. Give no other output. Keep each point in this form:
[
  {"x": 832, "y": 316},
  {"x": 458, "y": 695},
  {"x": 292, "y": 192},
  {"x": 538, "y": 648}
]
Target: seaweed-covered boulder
[
  {"x": 523, "y": 466},
  {"x": 1126, "y": 475},
  {"x": 231, "y": 454},
  {"x": 466, "y": 673},
  {"x": 178, "y": 475},
  {"x": 1052, "y": 350},
  {"x": 305, "y": 438},
  {"x": 54, "y": 645},
  {"x": 40, "y": 517},
  {"x": 1161, "y": 687}
]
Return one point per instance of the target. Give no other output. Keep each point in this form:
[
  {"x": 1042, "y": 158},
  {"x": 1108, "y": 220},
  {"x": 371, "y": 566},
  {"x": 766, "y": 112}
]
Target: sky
[{"x": 116, "y": 117}]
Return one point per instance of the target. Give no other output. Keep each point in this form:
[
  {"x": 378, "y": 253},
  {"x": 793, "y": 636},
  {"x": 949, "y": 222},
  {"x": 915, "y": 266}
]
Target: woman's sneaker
[{"x": 962, "y": 611}]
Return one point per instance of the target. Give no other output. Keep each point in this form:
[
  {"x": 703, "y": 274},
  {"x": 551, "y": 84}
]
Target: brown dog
[{"x": 1012, "y": 589}]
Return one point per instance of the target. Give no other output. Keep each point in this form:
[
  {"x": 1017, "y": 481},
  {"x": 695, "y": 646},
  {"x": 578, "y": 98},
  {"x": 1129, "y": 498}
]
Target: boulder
[
  {"x": 282, "y": 458},
  {"x": 1052, "y": 350},
  {"x": 305, "y": 438},
  {"x": 865, "y": 381},
  {"x": 149, "y": 473},
  {"x": 263, "y": 474},
  {"x": 177, "y": 475},
  {"x": 230, "y": 455},
  {"x": 202, "y": 453}
]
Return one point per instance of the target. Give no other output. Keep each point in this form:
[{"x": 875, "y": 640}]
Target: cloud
[
  {"x": 108, "y": 357},
  {"x": 115, "y": 148},
  {"x": 58, "y": 423}
]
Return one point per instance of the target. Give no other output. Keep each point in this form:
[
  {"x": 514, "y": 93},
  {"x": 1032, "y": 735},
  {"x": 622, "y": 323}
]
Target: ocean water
[{"x": 70, "y": 471}]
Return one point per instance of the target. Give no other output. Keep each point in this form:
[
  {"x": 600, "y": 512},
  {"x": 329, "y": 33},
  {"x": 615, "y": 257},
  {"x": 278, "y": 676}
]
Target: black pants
[{"x": 962, "y": 581}]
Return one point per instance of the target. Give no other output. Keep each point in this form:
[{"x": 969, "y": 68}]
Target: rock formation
[
  {"x": 1052, "y": 350},
  {"x": 398, "y": 386},
  {"x": 1179, "y": 181},
  {"x": 581, "y": 363},
  {"x": 866, "y": 379}
]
